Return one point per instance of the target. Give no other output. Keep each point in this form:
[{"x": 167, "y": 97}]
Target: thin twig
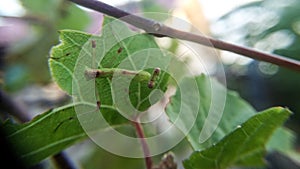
[
  {"x": 62, "y": 161},
  {"x": 30, "y": 18},
  {"x": 160, "y": 30},
  {"x": 8, "y": 105},
  {"x": 146, "y": 150}
]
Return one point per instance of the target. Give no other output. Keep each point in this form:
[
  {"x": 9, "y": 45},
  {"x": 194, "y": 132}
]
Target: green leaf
[
  {"x": 243, "y": 147},
  {"x": 46, "y": 135},
  {"x": 63, "y": 57},
  {"x": 73, "y": 17},
  {"x": 79, "y": 52},
  {"x": 60, "y": 13},
  {"x": 52, "y": 132},
  {"x": 236, "y": 110},
  {"x": 41, "y": 8},
  {"x": 282, "y": 140}
]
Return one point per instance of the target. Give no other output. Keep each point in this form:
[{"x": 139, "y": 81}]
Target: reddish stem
[{"x": 146, "y": 150}]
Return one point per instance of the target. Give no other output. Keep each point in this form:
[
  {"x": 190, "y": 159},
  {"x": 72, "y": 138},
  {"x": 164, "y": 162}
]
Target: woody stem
[{"x": 145, "y": 147}]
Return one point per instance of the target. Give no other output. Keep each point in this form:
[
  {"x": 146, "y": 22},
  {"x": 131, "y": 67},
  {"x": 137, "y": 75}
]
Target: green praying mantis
[{"x": 139, "y": 76}]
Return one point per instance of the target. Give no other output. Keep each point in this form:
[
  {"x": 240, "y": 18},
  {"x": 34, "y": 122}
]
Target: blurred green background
[{"x": 271, "y": 26}]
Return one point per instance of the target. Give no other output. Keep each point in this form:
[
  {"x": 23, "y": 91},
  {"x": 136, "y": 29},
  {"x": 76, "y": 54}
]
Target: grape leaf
[
  {"x": 117, "y": 47},
  {"x": 243, "y": 147},
  {"x": 46, "y": 135}
]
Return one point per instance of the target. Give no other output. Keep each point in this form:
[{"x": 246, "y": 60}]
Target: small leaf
[{"x": 243, "y": 147}]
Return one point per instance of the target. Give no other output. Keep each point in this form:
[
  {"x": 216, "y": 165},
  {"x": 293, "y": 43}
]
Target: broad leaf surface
[
  {"x": 245, "y": 146},
  {"x": 49, "y": 133},
  {"x": 46, "y": 135},
  {"x": 116, "y": 47},
  {"x": 236, "y": 111},
  {"x": 55, "y": 130}
]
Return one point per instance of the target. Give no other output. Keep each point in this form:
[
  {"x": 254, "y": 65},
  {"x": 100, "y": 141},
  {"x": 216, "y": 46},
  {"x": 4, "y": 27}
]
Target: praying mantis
[{"x": 139, "y": 76}]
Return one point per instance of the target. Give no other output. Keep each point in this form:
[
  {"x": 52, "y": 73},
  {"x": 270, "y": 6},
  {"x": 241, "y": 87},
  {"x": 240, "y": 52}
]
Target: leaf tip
[{"x": 284, "y": 110}]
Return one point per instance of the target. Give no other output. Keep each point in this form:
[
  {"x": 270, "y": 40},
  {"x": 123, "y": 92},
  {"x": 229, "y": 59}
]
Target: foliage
[
  {"x": 242, "y": 138},
  {"x": 47, "y": 134},
  {"x": 62, "y": 63},
  {"x": 244, "y": 146},
  {"x": 236, "y": 112},
  {"x": 65, "y": 57},
  {"x": 271, "y": 26}
]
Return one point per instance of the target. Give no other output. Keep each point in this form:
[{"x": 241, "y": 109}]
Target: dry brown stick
[
  {"x": 145, "y": 147},
  {"x": 160, "y": 30},
  {"x": 8, "y": 105}
]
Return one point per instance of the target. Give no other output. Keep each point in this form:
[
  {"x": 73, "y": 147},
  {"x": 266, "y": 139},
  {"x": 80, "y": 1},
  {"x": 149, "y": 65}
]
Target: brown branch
[
  {"x": 62, "y": 161},
  {"x": 39, "y": 20},
  {"x": 146, "y": 150},
  {"x": 160, "y": 30},
  {"x": 8, "y": 105}
]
